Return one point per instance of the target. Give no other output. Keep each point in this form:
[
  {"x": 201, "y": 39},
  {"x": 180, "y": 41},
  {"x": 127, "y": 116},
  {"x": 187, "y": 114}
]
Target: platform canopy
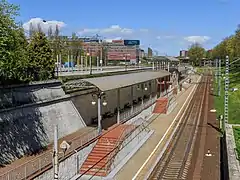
[{"x": 108, "y": 83}]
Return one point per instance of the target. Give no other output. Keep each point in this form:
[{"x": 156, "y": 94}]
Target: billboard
[
  {"x": 90, "y": 39},
  {"x": 131, "y": 42},
  {"x": 118, "y": 41}
]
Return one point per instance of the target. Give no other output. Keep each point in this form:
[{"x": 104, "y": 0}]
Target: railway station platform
[{"x": 140, "y": 164}]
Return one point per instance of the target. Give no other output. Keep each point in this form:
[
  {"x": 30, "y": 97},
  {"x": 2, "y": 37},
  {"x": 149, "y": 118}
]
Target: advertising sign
[{"x": 131, "y": 42}]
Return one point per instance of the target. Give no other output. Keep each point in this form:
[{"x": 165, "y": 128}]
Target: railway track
[{"x": 176, "y": 160}]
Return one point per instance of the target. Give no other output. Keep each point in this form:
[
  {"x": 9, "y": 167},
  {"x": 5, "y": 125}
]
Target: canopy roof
[{"x": 120, "y": 81}]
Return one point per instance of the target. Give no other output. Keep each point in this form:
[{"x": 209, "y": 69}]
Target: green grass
[
  {"x": 234, "y": 105},
  {"x": 234, "y": 99},
  {"x": 200, "y": 70},
  {"x": 236, "y": 132}
]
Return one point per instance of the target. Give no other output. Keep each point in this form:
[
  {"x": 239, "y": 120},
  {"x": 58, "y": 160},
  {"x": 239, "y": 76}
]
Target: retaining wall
[
  {"x": 26, "y": 124},
  {"x": 69, "y": 167}
]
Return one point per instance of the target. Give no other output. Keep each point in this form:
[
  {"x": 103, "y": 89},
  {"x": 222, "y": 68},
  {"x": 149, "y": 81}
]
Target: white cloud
[
  {"x": 197, "y": 39},
  {"x": 114, "y": 29},
  {"x": 45, "y": 25}
]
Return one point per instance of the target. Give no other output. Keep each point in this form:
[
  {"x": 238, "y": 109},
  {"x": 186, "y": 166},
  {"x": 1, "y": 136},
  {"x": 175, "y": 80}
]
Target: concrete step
[{"x": 95, "y": 172}]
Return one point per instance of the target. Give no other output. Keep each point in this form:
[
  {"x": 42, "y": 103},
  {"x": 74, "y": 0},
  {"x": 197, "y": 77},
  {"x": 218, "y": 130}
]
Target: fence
[
  {"x": 43, "y": 161},
  {"x": 137, "y": 109}
]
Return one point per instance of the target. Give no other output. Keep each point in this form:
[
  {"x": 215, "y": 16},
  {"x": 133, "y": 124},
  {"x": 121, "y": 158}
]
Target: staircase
[
  {"x": 99, "y": 159},
  {"x": 161, "y": 106}
]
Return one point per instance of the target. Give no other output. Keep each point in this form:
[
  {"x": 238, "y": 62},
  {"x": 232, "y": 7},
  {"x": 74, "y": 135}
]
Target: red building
[{"x": 117, "y": 51}]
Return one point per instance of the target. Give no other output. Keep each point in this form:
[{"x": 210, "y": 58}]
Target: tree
[
  {"x": 228, "y": 46},
  {"x": 41, "y": 60},
  {"x": 196, "y": 53},
  {"x": 13, "y": 53}
]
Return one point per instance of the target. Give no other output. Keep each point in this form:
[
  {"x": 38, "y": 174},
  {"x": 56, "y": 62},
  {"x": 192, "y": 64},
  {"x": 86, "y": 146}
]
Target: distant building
[
  {"x": 150, "y": 52},
  {"x": 141, "y": 53},
  {"x": 123, "y": 51},
  {"x": 183, "y": 53},
  {"x": 115, "y": 51}
]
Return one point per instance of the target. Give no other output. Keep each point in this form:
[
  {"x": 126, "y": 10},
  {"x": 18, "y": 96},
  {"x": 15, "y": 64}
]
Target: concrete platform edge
[{"x": 233, "y": 163}]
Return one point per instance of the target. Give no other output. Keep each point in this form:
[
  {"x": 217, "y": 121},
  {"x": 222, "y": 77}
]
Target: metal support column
[
  {"x": 150, "y": 90},
  {"x": 68, "y": 61},
  {"x": 216, "y": 69},
  {"x": 81, "y": 63},
  {"x": 219, "y": 77},
  {"x": 78, "y": 63},
  {"x": 165, "y": 85},
  {"x": 60, "y": 55},
  {"x": 86, "y": 62},
  {"x": 57, "y": 64},
  {"x": 99, "y": 115},
  {"x": 226, "y": 91},
  {"x": 90, "y": 59},
  {"x": 142, "y": 93},
  {"x": 55, "y": 153},
  {"x": 160, "y": 87},
  {"x": 72, "y": 62},
  {"x": 132, "y": 99},
  {"x": 97, "y": 63},
  {"x": 118, "y": 106}
]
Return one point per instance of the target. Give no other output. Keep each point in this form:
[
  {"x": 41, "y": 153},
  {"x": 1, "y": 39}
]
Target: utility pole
[
  {"x": 57, "y": 64},
  {"x": 68, "y": 60},
  {"x": 216, "y": 69},
  {"x": 72, "y": 61},
  {"x": 226, "y": 91},
  {"x": 55, "y": 153},
  {"x": 219, "y": 77}
]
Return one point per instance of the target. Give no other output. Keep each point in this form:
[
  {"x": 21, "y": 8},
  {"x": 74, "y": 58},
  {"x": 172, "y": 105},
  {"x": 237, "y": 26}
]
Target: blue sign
[{"x": 131, "y": 42}]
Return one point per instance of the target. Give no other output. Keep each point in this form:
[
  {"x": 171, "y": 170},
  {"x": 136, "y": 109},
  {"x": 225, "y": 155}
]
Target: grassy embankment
[{"x": 234, "y": 104}]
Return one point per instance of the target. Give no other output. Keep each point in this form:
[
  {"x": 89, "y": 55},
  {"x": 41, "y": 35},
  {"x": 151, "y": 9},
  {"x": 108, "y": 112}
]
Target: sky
[{"x": 167, "y": 26}]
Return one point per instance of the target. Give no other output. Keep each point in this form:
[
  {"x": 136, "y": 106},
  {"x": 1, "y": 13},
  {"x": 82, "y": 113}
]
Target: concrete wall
[
  {"x": 19, "y": 95},
  {"x": 25, "y": 130},
  {"x": 70, "y": 167}
]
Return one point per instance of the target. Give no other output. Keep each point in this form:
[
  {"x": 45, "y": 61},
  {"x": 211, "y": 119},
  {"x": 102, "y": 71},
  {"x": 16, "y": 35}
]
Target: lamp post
[
  {"x": 99, "y": 96},
  {"x": 90, "y": 61},
  {"x": 125, "y": 58},
  {"x": 55, "y": 153}
]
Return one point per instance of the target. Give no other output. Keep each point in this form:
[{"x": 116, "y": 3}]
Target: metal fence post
[
  {"x": 25, "y": 172},
  {"x": 40, "y": 164}
]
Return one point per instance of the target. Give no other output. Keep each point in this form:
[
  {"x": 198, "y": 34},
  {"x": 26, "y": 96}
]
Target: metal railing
[
  {"x": 137, "y": 109},
  {"x": 41, "y": 162}
]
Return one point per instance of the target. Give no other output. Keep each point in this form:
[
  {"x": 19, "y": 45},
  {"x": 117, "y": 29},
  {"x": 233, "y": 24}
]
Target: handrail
[{"x": 44, "y": 161}]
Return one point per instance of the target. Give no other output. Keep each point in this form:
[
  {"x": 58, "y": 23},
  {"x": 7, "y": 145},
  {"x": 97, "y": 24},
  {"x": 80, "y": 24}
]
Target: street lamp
[
  {"x": 99, "y": 95},
  {"x": 145, "y": 88},
  {"x": 125, "y": 58},
  {"x": 90, "y": 61}
]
